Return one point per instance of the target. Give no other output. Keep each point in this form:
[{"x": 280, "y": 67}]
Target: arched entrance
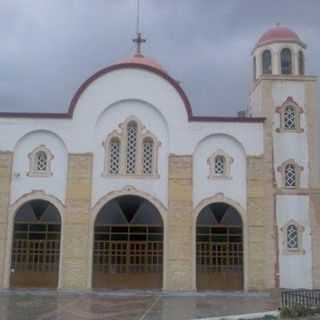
[
  {"x": 36, "y": 246},
  {"x": 219, "y": 248},
  {"x": 128, "y": 245}
]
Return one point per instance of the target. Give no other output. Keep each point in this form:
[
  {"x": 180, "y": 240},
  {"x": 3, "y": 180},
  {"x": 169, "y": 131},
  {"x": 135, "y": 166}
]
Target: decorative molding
[
  {"x": 33, "y": 162},
  {"x": 298, "y": 169},
  {"x": 290, "y": 102},
  {"x": 122, "y": 136},
  {"x": 225, "y": 169},
  {"x": 285, "y": 242}
]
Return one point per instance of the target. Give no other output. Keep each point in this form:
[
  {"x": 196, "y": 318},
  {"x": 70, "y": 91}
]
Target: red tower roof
[{"x": 279, "y": 34}]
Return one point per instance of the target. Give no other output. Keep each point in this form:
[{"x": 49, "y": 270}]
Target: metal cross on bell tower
[{"x": 139, "y": 40}]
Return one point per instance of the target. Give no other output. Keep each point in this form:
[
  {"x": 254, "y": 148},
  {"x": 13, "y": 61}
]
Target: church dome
[
  {"x": 279, "y": 34},
  {"x": 142, "y": 60}
]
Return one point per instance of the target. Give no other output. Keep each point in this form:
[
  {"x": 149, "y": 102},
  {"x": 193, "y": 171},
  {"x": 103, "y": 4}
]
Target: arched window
[
  {"x": 266, "y": 62},
  {"x": 254, "y": 68},
  {"x": 290, "y": 175},
  {"x": 114, "y": 156},
  {"x": 219, "y": 165},
  {"x": 301, "y": 63},
  {"x": 40, "y": 162},
  {"x": 131, "y": 147},
  {"x": 292, "y": 237},
  {"x": 132, "y": 150},
  {"x": 148, "y": 151},
  {"x": 290, "y": 118},
  {"x": 286, "y": 61}
]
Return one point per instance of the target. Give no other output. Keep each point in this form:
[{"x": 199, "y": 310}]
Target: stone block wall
[
  {"x": 75, "y": 253},
  {"x": 179, "y": 266},
  {"x": 5, "y": 183}
]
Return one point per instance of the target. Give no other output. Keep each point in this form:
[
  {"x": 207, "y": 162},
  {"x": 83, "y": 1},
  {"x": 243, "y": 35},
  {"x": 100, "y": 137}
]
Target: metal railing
[{"x": 305, "y": 297}]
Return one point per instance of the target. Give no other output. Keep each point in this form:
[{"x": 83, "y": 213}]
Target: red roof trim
[{"x": 100, "y": 73}]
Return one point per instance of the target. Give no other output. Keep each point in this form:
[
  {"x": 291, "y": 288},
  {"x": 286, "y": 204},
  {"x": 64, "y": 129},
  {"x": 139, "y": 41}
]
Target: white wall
[
  {"x": 234, "y": 187},
  {"x": 289, "y": 145},
  {"x": 54, "y": 185},
  {"x": 295, "y": 270},
  {"x": 110, "y": 120}
]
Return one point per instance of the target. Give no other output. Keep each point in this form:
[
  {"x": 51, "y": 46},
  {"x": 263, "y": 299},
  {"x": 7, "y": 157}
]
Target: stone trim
[
  {"x": 228, "y": 160},
  {"x": 298, "y": 170},
  {"x": 33, "y": 171},
  {"x": 121, "y": 135},
  {"x": 298, "y": 111},
  {"x": 300, "y": 230}
]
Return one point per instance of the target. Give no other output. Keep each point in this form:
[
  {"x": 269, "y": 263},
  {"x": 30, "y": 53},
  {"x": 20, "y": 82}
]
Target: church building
[{"x": 130, "y": 190}]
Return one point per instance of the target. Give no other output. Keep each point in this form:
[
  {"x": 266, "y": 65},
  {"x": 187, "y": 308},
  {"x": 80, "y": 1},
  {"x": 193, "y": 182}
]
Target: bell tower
[{"x": 285, "y": 95}]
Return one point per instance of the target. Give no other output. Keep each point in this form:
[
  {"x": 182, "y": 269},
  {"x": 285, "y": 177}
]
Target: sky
[{"x": 49, "y": 47}]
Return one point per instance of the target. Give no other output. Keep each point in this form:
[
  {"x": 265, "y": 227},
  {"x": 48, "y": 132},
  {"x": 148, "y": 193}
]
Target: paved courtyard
[{"x": 120, "y": 305}]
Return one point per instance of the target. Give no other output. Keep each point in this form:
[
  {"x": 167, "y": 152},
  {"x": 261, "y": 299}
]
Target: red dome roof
[
  {"x": 140, "y": 59},
  {"x": 279, "y": 34}
]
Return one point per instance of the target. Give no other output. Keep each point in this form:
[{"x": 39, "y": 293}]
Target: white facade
[{"x": 111, "y": 98}]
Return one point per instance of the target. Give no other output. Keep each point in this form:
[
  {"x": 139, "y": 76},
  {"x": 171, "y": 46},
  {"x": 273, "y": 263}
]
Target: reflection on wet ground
[{"x": 56, "y": 305}]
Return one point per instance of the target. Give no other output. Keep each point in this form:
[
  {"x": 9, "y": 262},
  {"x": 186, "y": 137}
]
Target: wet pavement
[{"x": 56, "y": 305}]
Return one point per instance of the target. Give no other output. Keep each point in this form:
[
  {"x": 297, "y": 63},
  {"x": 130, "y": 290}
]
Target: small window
[
  {"x": 290, "y": 176},
  {"x": 286, "y": 61},
  {"x": 292, "y": 233},
  {"x": 114, "y": 156},
  {"x": 289, "y": 118},
  {"x": 219, "y": 165},
  {"x": 301, "y": 63},
  {"x": 292, "y": 237},
  {"x": 254, "y": 68},
  {"x": 40, "y": 162},
  {"x": 131, "y": 147},
  {"x": 266, "y": 62},
  {"x": 148, "y": 156}
]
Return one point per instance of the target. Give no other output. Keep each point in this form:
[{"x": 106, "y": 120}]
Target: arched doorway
[
  {"x": 219, "y": 248},
  {"x": 128, "y": 245},
  {"x": 35, "y": 252}
]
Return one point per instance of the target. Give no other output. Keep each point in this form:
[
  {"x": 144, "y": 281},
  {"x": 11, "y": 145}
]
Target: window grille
[
  {"x": 131, "y": 148},
  {"x": 114, "y": 159},
  {"x": 147, "y": 157},
  {"x": 219, "y": 165},
  {"x": 289, "y": 118},
  {"x": 292, "y": 237},
  {"x": 41, "y": 160},
  {"x": 290, "y": 176}
]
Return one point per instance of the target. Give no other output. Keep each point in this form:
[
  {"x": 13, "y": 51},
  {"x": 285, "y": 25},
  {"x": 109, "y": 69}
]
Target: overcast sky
[{"x": 49, "y": 47}]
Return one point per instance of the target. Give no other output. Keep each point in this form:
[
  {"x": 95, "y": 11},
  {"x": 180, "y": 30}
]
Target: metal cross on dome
[{"x": 139, "y": 40}]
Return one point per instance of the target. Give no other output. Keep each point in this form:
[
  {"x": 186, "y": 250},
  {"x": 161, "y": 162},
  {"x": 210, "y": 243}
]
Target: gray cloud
[{"x": 48, "y": 48}]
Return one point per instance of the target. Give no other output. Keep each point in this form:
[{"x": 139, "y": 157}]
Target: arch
[
  {"x": 34, "y": 132},
  {"x": 267, "y": 62},
  {"x": 130, "y": 224},
  {"x": 221, "y": 198},
  {"x": 286, "y": 61},
  {"x": 218, "y": 245},
  {"x": 228, "y": 136},
  {"x": 13, "y": 211},
  {"x": 128, "y": 190}
]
